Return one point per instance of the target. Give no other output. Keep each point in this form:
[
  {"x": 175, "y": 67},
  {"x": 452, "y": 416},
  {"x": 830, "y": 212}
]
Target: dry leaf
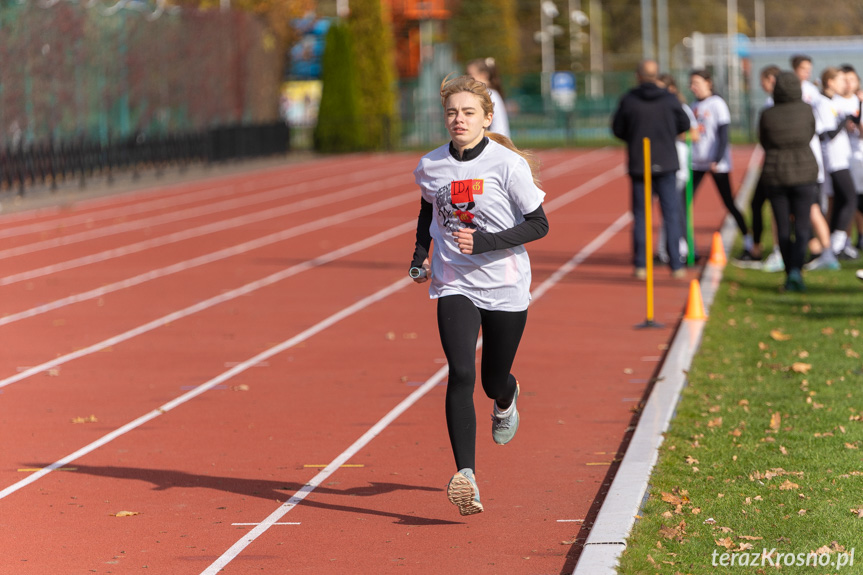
[
  {"x": 726, "y": 542},
  {"x": 801, "y": 512},
  {"x": 88, "y": 419},
  {"x": 126, "y": 514},
  {"x": 671, "y": 498},
  {"x": 800, "y": 367},
  {"x": 762, "y": 346},
  {"x": 779, "y": 336},
  {"x": 782, "y": 450},
  {"x": 715, "y": 422},
  {"x": 775, "y": 421},
  {"x": 850, "y": 446},
  {"x": 691, "y": 460},
  {"x": 241, "y": 387},
  {"x": 749, "y": 537}
]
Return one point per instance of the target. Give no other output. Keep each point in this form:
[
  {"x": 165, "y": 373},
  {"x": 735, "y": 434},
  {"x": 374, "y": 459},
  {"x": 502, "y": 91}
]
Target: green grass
[{"x": 711, "y": 489}]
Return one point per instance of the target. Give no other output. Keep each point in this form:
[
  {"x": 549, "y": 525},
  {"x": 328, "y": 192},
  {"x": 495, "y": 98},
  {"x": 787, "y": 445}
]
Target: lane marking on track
[
  {"x": 384, "y": 422},
  {"x": 194, "y": 262},
  {"x": 393, "y": 288},
  {"x": 219, "y": 379},
  {"x": 33, "y": 469},
  {"x": 206, "y": 229},
  {"x": 166, "y": 196},
  {"x": 255, "y": 524},
  {"x": 345, "y": 465},
  {"x": 248, "y": 200},
  {"x": 221, "y": 298},
  {"x": 570, "y": 520}
]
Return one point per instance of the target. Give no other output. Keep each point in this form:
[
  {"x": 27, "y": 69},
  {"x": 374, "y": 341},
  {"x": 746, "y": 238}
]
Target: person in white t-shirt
[
  {"x": 819, "y": 246},
  {"x": 485, "y": 70},
  {"x": 712, "y": 152},
  {"x": 480, "y": 204},
  {"x": 836, "y": 150},
  {"x": 852, "y": 105}
]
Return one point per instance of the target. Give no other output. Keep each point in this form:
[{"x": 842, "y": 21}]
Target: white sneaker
[
  {"x": 859, "y": 275},
  {"x": 773, "y": 263},
  {"x": 504, "y": 424}
]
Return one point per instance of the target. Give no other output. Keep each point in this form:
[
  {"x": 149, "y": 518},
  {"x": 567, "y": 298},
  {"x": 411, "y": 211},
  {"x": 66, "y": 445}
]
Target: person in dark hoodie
[
  {"x": 790, "y": 171},
  {"x": 649, "y": 111}
]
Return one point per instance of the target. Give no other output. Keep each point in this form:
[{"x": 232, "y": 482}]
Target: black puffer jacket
[{"x": 785, "y": 131}]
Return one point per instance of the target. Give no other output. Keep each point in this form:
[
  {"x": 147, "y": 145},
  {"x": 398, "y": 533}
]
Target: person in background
[
  {"x": 819, "y": 246},
  {"x": 649, "y": 111},
  {"x": 752, "y": 258},
  {"x": 712, "y": 153},
  {"x": 790, "y": 171},
  {"x": 667, "y": 81},
  {"x": 851, "y": 104},
  {"x": 485, "y": 70},
  {"x": 480, "y": 203}
]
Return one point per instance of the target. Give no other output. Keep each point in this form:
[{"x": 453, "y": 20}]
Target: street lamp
[{"x": 547, "y": 31}]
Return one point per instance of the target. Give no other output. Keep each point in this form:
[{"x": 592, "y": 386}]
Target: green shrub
[{"x": 339, "y": 128}]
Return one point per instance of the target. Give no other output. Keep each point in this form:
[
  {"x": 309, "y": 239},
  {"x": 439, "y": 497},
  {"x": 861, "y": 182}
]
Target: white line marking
[
  {"x": 255, "y": 524},
  {"x": 366, "y": 438},
  {"x": 263, "y": 356},
  {"x": 221, "y": 378},
  {"x": 570, "y": 520},
  {"x": 215, "y": 300},
  {"x": 206, "y": 229},
  {"x": 209, "y": 258},
  {"x": 242, "y": 201}
]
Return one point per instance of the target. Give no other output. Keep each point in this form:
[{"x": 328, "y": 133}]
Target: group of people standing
[
  {"x": 656, "y": 110},
  {"x": 812, "y": 174}
]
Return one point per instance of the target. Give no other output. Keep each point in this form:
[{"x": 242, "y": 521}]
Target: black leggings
[
  {"x": 757, "y": 206},
  {"x": 844, "y": 200},
  {"x": 459, "y": 321},
  {"x": 792, "y": 203},
  {"x": 723, "y": 184}
]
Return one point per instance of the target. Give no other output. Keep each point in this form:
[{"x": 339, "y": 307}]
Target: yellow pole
[{"x": 648, "y": 227}]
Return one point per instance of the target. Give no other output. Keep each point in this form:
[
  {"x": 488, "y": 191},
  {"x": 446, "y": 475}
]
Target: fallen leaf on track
[{"x": 125, "y": 513}]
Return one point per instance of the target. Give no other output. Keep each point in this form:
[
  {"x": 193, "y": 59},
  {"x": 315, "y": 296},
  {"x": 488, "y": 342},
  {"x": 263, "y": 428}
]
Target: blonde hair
[{"x": 467, "y": 84}]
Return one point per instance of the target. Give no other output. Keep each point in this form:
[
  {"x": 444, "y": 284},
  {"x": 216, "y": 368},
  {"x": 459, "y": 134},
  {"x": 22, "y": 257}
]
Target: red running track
[{"x": 242, "y": 364}]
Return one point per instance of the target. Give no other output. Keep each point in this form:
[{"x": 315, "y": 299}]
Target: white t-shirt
[
  {"x": 812, "y": 96},
  {"x": 836, "y": 151},
  {"x": 711, "y": 113},
  {"x": 683, "y": 148},
  {"x": 500, "y": 120},
  {"x": 490, "y": 193}
]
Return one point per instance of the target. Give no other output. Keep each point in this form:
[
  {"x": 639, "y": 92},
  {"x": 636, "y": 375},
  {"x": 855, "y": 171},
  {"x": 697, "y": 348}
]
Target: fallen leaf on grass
[
  {"x": 775, "y": 421},
  {"x": 828, "y": 331},
  {"x": 125, "y": 513},
  {"x": 782, "y": 450},
  {"x": 778, "y": 335},
  {"x": 88, "y": 419},
  {"x": 715, "y": 422},
  {"x": 800, "y": 367},
  {"x": 801, "y": 512},
  {"x": 787, "y": 485},
  {"x": 850, "y": 446},
  {"x": 726, "y": 542},
  {"x": 677, "y": 532},
  {"x": 750, "y": 537},
  {"x": 691, "y": 460},
  {"x": 858, "y": 512}
]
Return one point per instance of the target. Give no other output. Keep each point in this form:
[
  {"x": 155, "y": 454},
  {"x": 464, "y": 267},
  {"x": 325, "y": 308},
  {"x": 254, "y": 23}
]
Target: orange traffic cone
[
  {"x": 717, "y": 251},
  {"x": 695, "y": 305}
]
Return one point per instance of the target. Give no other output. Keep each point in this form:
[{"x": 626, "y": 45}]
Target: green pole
[{"x": 690, "y": 228}]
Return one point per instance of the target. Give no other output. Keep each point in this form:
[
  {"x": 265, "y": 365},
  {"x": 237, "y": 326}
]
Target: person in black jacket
[
  {"x": 790, "y": 171},
  {"x": 649, "y": 111}
]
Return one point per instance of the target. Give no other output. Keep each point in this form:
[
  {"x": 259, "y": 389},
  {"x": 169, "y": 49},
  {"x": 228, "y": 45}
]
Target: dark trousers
[
  {"x": 723, "y": 184},
  {"x": 788, "y": 202},
  {"x": 757, "y": 206},
  {"x": 844, "y": 200},
  {"x": 665, "y": 187},
  {"x": 459, "y": 322}
]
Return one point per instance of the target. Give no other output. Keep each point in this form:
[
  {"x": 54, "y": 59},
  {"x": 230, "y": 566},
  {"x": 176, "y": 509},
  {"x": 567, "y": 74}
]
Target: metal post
[
  {"x": 733, "y": 63},
  {"x": 662, "y": 34},
  {"x": 760, "y": 32},
  {"x": 596, "y": 66},
  {"x": 647, "y": 50}
]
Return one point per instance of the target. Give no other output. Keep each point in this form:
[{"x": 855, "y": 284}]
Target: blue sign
[{"x": 563, "y": 90}]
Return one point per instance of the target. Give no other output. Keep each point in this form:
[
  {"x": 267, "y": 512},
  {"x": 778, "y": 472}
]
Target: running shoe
[
  {"x": 822, "y": 263},
  {"x": 773, "y": 263},
  {"x": 504, "y": 423},
  {"x": 859, "y": 275},
  {"x": 794, "y": 282},
  {"x": 640, "y": 273},
  {"x": 463, "y": 492},
  {"x": 747, "y": 261},
  {"x": 849, "y": 252}
]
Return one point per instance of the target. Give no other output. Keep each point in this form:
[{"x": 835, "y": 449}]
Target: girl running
[
  {"x": 712, "y": 152},
  {"x": 480, "y": 203}
]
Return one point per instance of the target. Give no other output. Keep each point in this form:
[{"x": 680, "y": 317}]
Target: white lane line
[
  {"x": 254, "y": 524},
  {"x": 123, "y": 203},
  {"x": 379, "y": 427},
  {"x": 219, "y": 379},
  {"x": 243, "y": 201},
  {"x": 248, "y": 288},
  {"x": 221, "y": 254},
  {"x": 219, "y": 226},
  {"x": 572, "y": 163},
  {"x": 221, "y": 298},
  {"x": 205, "y": 259}
]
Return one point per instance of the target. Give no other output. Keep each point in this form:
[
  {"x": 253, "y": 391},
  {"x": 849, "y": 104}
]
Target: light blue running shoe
[
  {"x": 504, "y": 424},
  {"x": 823, "y": 262},
  {"x": 773, "y": 263},
  {"x": 463, "y": 492}
]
